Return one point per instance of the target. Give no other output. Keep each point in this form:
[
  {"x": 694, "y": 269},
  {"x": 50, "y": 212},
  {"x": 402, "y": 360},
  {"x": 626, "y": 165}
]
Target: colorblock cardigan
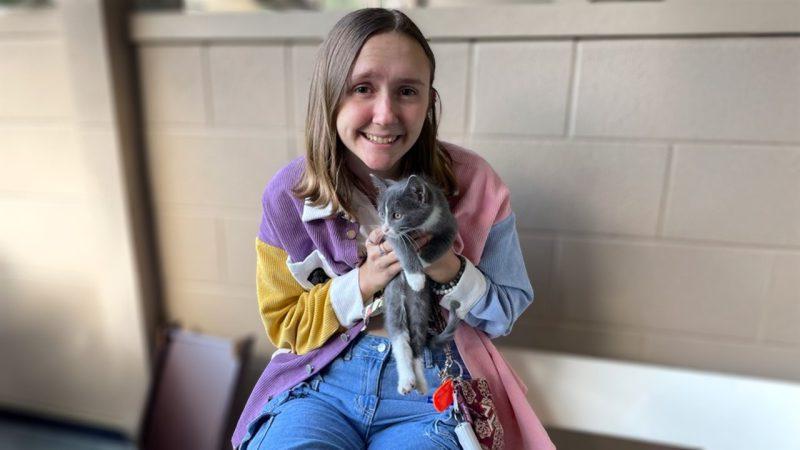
[{"x": 306, "y": 318}]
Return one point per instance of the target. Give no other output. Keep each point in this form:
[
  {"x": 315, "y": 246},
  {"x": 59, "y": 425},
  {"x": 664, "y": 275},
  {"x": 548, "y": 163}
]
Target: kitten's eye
[{"x": 397, "y": 216}]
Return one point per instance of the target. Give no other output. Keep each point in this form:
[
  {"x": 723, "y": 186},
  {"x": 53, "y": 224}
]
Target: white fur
[
  {"x": 427, "y": 225},
  {"x": 416, "y": 281},
  {"x": 401, "y": 350},
  {"x": 431, "y": 220}
]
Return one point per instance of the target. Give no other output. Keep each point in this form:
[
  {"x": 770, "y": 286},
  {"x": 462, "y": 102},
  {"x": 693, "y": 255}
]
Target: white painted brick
[
  {"x": 612, "y": 188},
  {"x": 521, "y": 87},
  {"x": 681, "y": 288},
  {"x": 42, "y": 160},
  {"x": 240, "y": 251},
  {"x": 742, "y": 194},
  {"x": 539, "y": 254},
  {"x": 49, "y": 237},
  {"x": 188, "y": 246},
  {"x": 34, "y": 80},
  {"x": 452, "y": 60},
  {"x": 723, "y": 356},
  {"x": 744, "y": 89},
  {"x": 605, "y": 342},
  {"x": 298, "y": 145},
  {"x": 303, "y": 57},
  {"x": 173, "y": 84},
  {"x": 782, "y": 308},
  {"x": 456, "y": 139},
  {"x": 212, "y": 169},
  {"x": 248, "y": 86}
]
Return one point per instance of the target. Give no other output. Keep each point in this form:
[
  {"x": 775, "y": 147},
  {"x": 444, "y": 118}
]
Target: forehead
[{"x": 391, "y": 57}]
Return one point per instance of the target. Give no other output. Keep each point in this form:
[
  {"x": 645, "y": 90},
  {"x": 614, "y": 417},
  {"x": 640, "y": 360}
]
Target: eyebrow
[{"x": 369, "y": 74}]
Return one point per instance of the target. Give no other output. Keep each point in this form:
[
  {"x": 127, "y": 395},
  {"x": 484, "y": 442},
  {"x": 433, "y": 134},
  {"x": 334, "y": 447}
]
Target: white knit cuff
[
  {"x": 470, "y": 288},
  {"x": 346, "y": 300}
]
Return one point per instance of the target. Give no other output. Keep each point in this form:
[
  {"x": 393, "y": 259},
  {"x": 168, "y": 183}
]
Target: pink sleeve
[{"x": 483, "y": 201}]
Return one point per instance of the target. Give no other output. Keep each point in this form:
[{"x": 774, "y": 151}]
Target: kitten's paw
[
  {"x": 422, "y": 386},
  {"x": 419, "y": 373},
  {"x": 416, "y": 281},
  {"x": 405, "y": 385}
]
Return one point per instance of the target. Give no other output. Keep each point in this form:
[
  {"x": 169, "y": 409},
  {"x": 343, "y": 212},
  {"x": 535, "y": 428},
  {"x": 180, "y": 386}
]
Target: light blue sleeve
[{"x": 508, "y": 289}]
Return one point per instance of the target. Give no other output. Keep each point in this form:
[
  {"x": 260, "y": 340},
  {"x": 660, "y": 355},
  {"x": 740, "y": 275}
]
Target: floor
[{"x": 23, "y": 432}]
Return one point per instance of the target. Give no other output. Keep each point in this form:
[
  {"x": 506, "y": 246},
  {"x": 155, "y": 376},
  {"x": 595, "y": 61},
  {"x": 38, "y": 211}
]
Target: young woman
[{"x": 321, "y": 259}]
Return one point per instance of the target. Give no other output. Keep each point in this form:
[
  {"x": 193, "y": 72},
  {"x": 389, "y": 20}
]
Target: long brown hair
[{"x": 326, "y": 179}]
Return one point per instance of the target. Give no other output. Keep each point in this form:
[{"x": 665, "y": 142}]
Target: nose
[{"x": 384, "y": 110}]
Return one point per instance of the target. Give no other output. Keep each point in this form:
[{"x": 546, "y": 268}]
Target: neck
[{"x": 362, "y": 172}]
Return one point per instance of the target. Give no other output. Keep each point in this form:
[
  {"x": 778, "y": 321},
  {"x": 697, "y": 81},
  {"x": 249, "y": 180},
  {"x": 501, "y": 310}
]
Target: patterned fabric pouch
[
  {"x": 474, "y": 401},
  {"x": 473, "y": 405}
]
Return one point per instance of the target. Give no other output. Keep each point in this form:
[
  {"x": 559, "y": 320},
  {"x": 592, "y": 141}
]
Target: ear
[
  {"x": 417, "y": 188},
  {"x": 379, "y": 183}
]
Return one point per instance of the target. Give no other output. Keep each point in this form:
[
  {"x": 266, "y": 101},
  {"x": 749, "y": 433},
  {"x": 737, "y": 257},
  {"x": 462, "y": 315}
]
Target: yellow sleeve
[{"x": 294, "y": 318}]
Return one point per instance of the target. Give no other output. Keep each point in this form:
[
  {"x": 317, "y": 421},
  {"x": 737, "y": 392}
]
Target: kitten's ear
[
  {"x": 417, "y": 188},
  {"x": 379, "y": 183}
]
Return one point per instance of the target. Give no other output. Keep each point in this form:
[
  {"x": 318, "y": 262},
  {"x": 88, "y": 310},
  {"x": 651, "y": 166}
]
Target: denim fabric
[{"x": 353, "y": 403}]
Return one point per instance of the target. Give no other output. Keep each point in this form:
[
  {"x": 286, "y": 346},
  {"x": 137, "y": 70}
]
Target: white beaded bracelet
[{"x": 446, "y": 288}]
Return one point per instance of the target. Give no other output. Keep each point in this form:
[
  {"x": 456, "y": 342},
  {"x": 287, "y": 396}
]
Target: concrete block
[
  {"x": 581, "y": 186},
  {"x": 782, "y": 307},
  {"x": 189, "y": 248},
  {"x": 34, "y": 80},
  {"x": 205, "y": 169},
  {"x": 248, "y": 85},
  {"x": 737, "y": 194},
  {"x": 521, "y": 87},
  {"x": 660, "y": 286},
  {"x": 173, "y": 82},
  {"x": 452, "y": 67},
  {"x": 733, "y": 89}
]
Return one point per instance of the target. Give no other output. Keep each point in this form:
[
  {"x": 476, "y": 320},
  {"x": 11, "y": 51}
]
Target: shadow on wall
[
  {"x": 559, "y": 294},
  {"x": 45, "y": 329}
]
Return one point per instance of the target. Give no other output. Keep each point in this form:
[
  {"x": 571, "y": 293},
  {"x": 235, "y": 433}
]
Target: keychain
[
  {"x": 464, "y": 432},
  {"x": 445, "y": 395}
]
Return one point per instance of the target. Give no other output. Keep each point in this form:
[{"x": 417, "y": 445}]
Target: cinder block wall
[
  {"x": 72, "y": 331},
  {"x": 656, "y": 184}
]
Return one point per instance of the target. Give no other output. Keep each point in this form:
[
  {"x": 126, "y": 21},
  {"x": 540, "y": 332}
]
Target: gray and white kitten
[{"x": 413, "y": 205}]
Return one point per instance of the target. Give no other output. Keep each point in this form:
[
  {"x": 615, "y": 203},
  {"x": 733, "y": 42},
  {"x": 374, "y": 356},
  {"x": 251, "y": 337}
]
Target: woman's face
[{"x": 384, "y": 105}]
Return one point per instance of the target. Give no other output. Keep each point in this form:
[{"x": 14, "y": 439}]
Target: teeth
[{"x": 380, "y": 140}]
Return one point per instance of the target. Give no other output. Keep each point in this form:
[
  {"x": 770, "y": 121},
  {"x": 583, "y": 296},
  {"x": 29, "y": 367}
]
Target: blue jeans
[{"x": 353, "y": 404}]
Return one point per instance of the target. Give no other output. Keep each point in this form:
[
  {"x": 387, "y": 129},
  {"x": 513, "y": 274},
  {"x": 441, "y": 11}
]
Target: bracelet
[{"x": 446, "y": 288}]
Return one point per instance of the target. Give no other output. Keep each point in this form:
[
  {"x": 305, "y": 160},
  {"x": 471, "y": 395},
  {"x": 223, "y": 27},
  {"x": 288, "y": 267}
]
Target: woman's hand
[
  {"x": 380, "y": 266},
  {"x": 444, "y": 269}
]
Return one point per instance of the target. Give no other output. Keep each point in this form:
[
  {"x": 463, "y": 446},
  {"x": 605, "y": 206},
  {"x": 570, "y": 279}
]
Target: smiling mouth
[{"x": 380, "y": 139}]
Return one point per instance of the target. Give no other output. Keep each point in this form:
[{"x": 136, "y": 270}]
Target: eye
[
  {"x": 397, "y": 216},
  {"x": 407, "y": 91},
  {"x": 361, "y": 89}
]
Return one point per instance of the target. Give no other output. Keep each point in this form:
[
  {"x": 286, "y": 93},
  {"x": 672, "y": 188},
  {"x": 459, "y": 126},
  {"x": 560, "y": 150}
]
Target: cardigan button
[
  {"x": 351, "y": 233},
  {"x": 344, "y": 337},
  {"x": 309, "y": 368}
]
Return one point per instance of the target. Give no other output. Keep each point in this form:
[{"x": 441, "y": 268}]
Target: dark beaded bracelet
[{"x": 446, "y": 288}]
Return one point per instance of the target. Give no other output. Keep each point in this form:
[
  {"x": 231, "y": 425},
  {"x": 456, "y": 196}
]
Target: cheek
[
  {"x": 415, "y": 117},
  {"x": 351, "y": 118}
]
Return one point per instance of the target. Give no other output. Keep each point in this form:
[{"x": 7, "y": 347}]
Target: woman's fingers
[
  {"x": 375, "y": 236},
  {"x": 394, "y": 268},
  {"x": 422, "y": 240}
]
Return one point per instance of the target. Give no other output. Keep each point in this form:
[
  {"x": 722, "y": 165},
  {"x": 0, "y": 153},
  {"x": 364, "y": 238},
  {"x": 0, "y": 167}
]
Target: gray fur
[{"x": 423, "y": 208}]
